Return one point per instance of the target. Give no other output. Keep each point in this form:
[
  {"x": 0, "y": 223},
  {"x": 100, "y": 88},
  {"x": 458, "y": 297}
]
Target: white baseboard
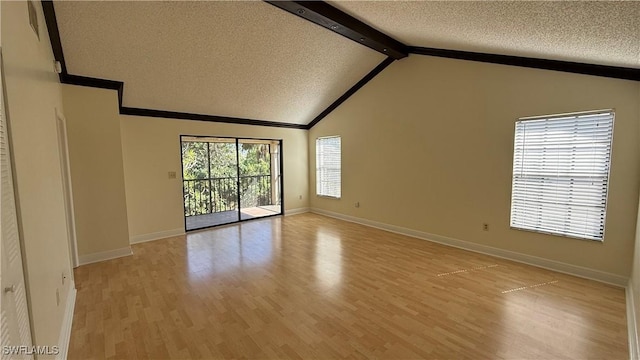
[
  {"x": 156, "y": 236},
  {"x": 67, "y": 322},
  {"x": 632, "y": 326},
  {"x": 558, "y": 266},
  {"x": 296, "y": 211},
  {"x": 105, "y": 255}
]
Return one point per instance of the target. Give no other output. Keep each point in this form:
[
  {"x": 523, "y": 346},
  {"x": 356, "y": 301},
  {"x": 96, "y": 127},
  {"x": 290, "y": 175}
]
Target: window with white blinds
[
  {"x": 561, "y": 174},
  {"x": 328, "y": 166}
]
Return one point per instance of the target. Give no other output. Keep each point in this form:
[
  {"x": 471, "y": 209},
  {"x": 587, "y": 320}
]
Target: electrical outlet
[
  {"x": 357, "y": 204},
  {"x": 485, "y": 227},
  {"x": 58, "y": 297},
  {"x": 300, "y": 197},
  {"x": 172, "y": 175}
]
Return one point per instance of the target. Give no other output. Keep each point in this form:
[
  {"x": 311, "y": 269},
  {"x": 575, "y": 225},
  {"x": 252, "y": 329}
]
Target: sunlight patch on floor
[
  {"x": 468, "y": 270},
  {"x": 530, "y": 287}
]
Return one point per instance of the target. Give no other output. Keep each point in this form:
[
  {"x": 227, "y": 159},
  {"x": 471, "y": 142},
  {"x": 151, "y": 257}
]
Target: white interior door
[{"x": 14, "y": 329}]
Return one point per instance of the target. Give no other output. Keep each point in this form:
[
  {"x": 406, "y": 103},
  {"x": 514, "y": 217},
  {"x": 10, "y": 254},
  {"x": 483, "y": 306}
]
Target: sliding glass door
[{"x": 226, "y": 180}]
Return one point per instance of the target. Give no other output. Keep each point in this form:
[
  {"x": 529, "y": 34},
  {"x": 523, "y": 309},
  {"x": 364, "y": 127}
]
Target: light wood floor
[{"x": 308, "y": 286}]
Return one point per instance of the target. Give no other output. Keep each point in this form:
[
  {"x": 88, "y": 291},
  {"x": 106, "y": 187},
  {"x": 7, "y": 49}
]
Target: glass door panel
[
  {"x": 210, "y": 187},
  {"x": 259, "y": 178}
]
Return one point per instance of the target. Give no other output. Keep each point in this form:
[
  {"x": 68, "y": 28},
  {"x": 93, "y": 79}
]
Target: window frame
[
  {"x": 608, "y": 176},
  {"x": 318, "y": 139}
]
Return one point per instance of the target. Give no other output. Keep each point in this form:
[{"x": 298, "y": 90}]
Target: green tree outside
[{"x": 210, "y": 180}]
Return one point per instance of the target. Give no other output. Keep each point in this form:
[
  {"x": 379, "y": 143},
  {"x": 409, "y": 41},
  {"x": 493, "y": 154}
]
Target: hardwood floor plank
[{"x": 309, "y": 286}]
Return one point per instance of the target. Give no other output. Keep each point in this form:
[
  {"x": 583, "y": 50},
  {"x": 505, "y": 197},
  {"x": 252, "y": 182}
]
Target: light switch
[{"x": 172, "y": 174}]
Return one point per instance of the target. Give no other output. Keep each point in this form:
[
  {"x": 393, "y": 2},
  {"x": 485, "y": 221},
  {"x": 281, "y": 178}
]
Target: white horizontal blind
[
  {"x": 560, "y": 174},
  {"x": 328, "y": 166}
]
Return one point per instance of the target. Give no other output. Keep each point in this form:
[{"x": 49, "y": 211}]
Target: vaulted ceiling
[
  {"x": 594, "y": 32},
  {"x": 238, "y": 59},
  {"x": 252, "y": 60}
]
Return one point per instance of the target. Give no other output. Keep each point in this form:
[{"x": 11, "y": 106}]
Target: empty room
[{"x": 320, "y": 180}]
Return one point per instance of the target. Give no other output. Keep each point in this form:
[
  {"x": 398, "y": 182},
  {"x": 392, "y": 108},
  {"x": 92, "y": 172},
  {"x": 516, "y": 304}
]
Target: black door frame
[{"x": 237, "y": 139}]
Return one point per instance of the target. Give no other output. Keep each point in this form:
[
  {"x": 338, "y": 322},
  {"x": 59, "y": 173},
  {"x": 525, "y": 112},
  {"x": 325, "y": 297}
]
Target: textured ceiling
[
  {"x": 605, "y": 32},
  {"x": 253, "y": 60},
  {"x": 239, "y": 59}
]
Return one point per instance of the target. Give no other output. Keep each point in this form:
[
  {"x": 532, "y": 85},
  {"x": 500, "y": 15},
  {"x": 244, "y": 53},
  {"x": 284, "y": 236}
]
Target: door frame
[
  {"x": 237, "y": 139},
  {"x": 67, "y": 188}
]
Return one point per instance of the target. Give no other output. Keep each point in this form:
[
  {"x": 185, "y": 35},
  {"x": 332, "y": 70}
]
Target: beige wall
[
  {"x": 120, "y": 165},
  {"x": 151, "y": 148},
  {"x": 33, "y": 94},
  {"x": 427, "y": 145},
  {"x": 97, "y": 173}
]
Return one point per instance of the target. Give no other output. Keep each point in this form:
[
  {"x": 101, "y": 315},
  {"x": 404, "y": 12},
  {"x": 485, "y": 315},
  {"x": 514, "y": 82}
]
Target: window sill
[
  {"x": 556, "y": 234},
  {"x": 328, "y": 197}
]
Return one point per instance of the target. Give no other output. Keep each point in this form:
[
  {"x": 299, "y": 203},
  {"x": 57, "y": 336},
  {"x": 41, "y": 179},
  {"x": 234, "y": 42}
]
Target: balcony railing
[{"x": 212, "y": 195}]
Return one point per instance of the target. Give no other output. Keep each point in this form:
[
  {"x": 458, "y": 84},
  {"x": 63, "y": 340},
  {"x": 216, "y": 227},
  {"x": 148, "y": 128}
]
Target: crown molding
[{"x": 615, "y": 72}]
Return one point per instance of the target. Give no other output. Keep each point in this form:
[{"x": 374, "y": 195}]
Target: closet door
[{"x": 15, "y": 329}]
